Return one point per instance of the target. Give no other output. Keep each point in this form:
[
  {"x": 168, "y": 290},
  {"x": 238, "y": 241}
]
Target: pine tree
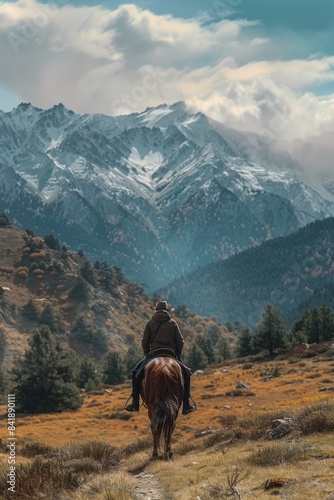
[
  {"x": 213, "y": 331},
  {"x": 196, "y": 358},
  {"x": 270, "y": 333},
  {"x": 45, "y": 379},
  {"x": 51, "y": 241},
  {"x": 206, "y": 345},
  {"x": 312, "y": 326},
  {"x": 84, "y": 331},
  {"x": 51, "y": 319},
  {"x": 297, "y": 334},
  {"x": 326, "y": 323},
  {"x": 30, "y": 311},
  {"x": 88, "y": 375},
  {"x": 134, "y": 353},
  {"x": 79, "y": 290},
  {"x": 223, "y": 347},
  {"x": 113, "y": 369},
  {"x": 244, "y": 347},
  {"x": 87, "y": 272}
]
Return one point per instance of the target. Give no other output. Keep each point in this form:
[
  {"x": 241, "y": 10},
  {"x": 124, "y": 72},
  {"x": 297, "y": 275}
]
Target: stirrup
[
  {"x": 132, "y": 406},
  {"x": 190, "y": 407}
]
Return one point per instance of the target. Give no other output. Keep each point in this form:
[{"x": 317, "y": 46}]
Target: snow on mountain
[{"x": 157, "y": 193}]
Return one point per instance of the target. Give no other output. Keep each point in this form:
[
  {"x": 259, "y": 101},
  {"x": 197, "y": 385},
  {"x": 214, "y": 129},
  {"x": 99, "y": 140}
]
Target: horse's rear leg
[
  {"x": 155, "y": 445},
  {"x": 168, "y": 454}
]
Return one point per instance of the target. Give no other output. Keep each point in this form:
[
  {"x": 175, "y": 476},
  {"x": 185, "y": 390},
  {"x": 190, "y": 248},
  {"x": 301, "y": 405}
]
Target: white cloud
[
  {"x": 259, "y": 97},
  {"x": 97, "y": 60}
]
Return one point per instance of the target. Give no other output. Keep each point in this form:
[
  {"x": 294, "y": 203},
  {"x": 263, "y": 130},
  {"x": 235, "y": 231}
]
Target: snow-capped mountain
[{"x": 156, "y": 193}]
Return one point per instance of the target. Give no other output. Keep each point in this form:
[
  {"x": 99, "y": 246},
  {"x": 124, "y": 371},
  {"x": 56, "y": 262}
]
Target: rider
[{"x": 161, "y": 333}]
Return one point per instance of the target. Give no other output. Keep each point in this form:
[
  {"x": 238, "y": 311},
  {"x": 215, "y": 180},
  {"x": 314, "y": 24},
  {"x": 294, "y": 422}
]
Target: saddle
[{"x": 162, "y": 352}]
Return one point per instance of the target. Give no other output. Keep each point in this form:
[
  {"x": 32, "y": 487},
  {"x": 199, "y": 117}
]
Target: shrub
[
  {"x": 32, "y": 448},
  {"x": 22, "y": 269},
  {"x": 256, "y": 426},
  {"x": 47, "y": 475},
  {"x": 4, "y": 221},
  {"x": 310, "y": 353},
  {"x": 33, "y": 267},
  {"x": 279, "y": 453},
  {"x": 239, "y": 392},
  {"x": 62, "y": 469},
  {"x": 38, "y": 272},
  {"x": 318, "y": 417},
  {"x": 100, "y": 451},
  {"x": 22, "y": 274}
]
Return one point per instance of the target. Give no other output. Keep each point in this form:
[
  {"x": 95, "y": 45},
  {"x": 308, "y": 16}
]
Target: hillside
[
  {"x": 92, "y": 307},
  {"x": 283, "y": 271}
]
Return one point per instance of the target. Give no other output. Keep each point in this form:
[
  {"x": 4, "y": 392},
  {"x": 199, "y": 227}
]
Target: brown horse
[{"x": 162, "y": 393}]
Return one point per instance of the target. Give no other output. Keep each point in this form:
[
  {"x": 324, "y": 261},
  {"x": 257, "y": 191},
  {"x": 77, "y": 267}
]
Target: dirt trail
[{"x": 148, "y": 487}]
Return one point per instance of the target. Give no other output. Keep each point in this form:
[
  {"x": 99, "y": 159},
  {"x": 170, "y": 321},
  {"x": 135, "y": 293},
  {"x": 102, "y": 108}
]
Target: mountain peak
[
  {"x": 179, "y": 105},
  {"x": 60, "y": 108},
  {"x": 25, "y": 107},
  {"x": 166, "y": 183},
  {"x": 164, "y": 115}
]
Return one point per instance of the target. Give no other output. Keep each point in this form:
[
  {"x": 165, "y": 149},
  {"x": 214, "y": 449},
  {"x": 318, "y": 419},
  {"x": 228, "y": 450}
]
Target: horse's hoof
[
  {"x": 169, "y": 457},
  {"x": 154, "y": 456}
]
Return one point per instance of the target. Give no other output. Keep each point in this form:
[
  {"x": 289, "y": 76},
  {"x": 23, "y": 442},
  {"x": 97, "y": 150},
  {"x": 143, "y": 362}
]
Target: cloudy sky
[{"x": 252, "y": 64}]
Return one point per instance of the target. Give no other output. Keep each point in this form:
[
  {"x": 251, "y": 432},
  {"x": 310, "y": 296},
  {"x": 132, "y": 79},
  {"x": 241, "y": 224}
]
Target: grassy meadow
[{"x": 221, "y": 451}]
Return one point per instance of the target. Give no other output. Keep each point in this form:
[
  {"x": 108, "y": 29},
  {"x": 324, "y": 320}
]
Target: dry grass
[
  {"x": 279, "y": 453},
  {"x": 92, "y": 420},
  {"x": 303, "y": 468},
  {"x": 66, "y": 468},
  {"x": 116, "y": 486},
  {"x": 318, "y": 417},
  {"x": 221, "y": 465},
  {"x": 202, "y": 465}
]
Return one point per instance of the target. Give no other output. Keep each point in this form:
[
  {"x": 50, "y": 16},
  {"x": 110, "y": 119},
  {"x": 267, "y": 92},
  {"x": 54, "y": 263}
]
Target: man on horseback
[{"x": 161, "y": 336}]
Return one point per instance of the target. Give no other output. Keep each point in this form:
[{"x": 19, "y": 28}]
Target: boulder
[
  {"x": 241, "y": 385},
  {"x": 280, "y": 427}
]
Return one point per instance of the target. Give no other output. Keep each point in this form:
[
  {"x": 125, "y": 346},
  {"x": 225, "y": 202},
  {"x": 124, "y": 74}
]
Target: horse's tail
[{"x": 168, "y": 399}]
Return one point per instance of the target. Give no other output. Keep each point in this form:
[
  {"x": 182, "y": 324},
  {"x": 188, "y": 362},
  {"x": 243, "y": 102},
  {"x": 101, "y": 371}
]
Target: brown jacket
[{"x": 162, "y": 331}]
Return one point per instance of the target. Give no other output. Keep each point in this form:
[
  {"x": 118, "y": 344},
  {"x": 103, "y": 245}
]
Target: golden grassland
[
  {"x": 236, "y": 461},
  {"x": 102, "y": 414}
]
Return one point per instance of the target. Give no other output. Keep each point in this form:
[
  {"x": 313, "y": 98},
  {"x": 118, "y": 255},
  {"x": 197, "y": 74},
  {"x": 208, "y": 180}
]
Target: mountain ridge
[
  {"x": 292, "y": 273},
  {"x": 142, "y": 190}
]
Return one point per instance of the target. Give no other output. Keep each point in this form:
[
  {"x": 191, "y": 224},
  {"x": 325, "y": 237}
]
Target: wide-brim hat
[{"x": 161, "y": 305}]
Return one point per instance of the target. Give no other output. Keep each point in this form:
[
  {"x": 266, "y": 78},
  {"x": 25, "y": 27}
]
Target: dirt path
[{"x": 148, "y": 487}]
